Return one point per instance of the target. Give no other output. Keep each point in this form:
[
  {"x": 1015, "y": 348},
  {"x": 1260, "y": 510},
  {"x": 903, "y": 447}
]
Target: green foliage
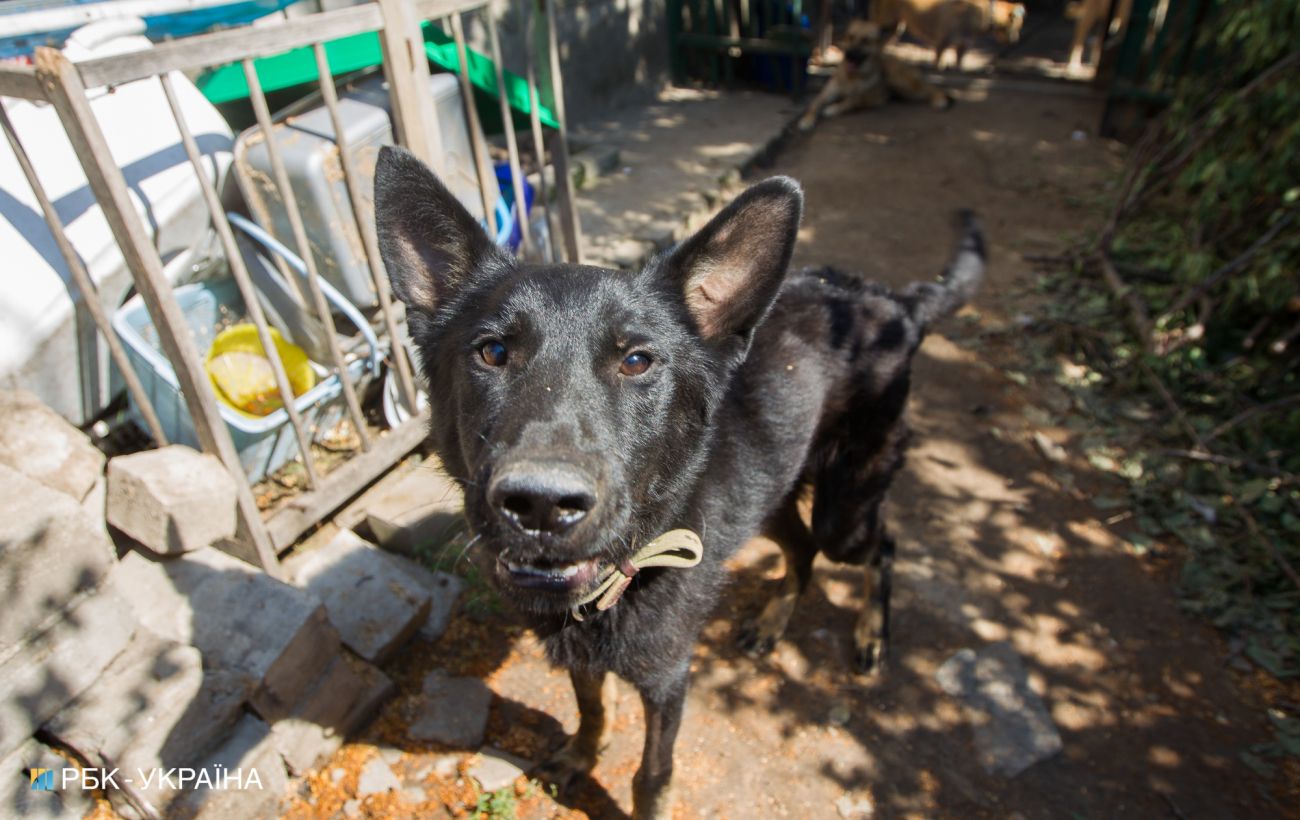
[
  {"x": 1208, "y": 239},
  {"x": 498, "y": 805}
]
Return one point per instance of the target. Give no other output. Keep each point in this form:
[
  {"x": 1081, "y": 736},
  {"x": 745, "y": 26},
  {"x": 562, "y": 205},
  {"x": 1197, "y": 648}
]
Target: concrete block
[
  {"x": 51, "y": 552},
  {"x": 39, "y": 443},
  {"x": 241, "y": 619},
  {"x": 19, "y": 799},
  {"x": 44, "y": 674},
  {"x": 1012, "y": 727},
  {"x": 418, "y": 512},
  {"x": 369, "y": 594},
  {"x": 250, "y": 749},
  {"x": 153, "y": 707},
  {"x": 171, "y": 500},
  {"x": 345, "y": 696},
  {"x": 444, "y": 592},
  {"x": 455, "y": 711}
]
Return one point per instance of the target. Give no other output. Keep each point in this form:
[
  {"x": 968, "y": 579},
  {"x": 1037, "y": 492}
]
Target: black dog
[{"x": 586, "y": 412}]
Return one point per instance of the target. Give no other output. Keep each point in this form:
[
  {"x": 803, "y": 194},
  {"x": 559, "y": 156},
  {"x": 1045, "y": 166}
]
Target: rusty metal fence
[{"x": 63, "y": 84}]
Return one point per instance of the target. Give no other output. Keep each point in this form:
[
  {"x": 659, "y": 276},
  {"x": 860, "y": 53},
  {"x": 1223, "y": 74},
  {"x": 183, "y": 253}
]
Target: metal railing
[{"x": 55, "y": 79}]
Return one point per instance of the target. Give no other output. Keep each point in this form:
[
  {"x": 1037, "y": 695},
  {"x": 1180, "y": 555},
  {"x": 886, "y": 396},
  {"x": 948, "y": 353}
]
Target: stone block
[
  {"x": 419, "y": 511},
  {"x": 249, "y": 749},
  {"x": 345, "y": 696},
  {"x": 19, "y": 799},
  {"x": 153, "y": 707},
  {"x": 369, "y": 594},
  {"x": 172, "y": 499},
  {"x": 444, "y": 592},
  {"x": 241, "y": 619},
  {"x": 40, "y": 677},
  {"x": 455, "y": 711},
  {"x": 377, "y": 778},
  {"x": 51, "y": 552},
  {"x": 39, "y": 443},
  {"x": 1012, "y": 727}
]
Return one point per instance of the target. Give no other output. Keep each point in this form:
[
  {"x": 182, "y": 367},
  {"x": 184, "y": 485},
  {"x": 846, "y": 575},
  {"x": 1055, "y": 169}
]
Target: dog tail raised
[{"x": 931, "y": 301}]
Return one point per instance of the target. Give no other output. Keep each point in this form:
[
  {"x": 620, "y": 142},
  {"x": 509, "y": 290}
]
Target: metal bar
[
  {"x": 85, "y": 285},
  {"x": 63, "y": 86},
  {"x": 487, "y": 183},
  {"x": 20, "y": 81},
  {"x": 535, "y": 122},
  {"x": 304, "y": 511},
  {"x": 560, "y": 150},
  {"x": 240, "y": 273},
  {"x": 512, "y": 145},
  {"x": 304, "y": 249},
  {"x": 352, "y": 179}
]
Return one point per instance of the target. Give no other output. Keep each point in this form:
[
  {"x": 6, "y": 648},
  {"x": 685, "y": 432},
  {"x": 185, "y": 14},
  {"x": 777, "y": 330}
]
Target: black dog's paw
[
  {"x": 565, "y": 768},
  {"x": 754, "y": 643},
  {"x": 869, "y": 659}
]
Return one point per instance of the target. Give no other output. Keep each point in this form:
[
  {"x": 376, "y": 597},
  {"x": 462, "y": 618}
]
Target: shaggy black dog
[{"x": 588, "y": 412}]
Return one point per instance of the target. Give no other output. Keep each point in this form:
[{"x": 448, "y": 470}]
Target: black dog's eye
[
  {"x": 634, "y": 364},
  {"x": 493, "y": 353}
]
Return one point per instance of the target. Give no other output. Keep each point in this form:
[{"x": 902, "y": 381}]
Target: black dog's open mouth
[{"x": 555, "y": 577}]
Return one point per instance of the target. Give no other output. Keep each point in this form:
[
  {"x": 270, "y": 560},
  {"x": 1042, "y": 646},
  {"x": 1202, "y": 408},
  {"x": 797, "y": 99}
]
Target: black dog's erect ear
[
  {"x": 429, "y": 242},
  {"x": 730, "y": 271}
]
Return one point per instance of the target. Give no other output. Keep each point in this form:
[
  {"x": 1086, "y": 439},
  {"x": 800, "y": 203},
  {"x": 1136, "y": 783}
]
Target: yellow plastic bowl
[{"x": 241, "y": 374}]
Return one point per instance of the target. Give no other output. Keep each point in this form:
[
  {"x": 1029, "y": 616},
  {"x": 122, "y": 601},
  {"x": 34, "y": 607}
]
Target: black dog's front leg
[
  {"x": 596, "y": 705},
  {"x": 652, "y": 788}
]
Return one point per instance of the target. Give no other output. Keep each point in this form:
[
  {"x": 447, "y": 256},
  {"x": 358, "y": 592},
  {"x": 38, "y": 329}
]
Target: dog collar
[{"x": 679, "y": 549}]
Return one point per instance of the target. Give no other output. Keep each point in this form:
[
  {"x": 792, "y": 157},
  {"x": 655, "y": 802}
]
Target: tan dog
[
  {"x": 868, "y": 77},
  {"x": 954, "y": 24},
  {"x": 1089, "y": 15}
]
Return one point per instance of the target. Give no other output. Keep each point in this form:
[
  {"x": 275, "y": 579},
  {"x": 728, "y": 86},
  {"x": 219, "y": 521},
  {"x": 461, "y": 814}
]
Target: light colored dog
[
  {"x": 954, "y": 24},
  {"x": 1089, "y": 15}
]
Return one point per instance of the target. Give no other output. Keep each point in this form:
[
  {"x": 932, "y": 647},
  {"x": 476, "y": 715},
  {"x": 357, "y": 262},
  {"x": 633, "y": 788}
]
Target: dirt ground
[{"x": 996, "y": 543}]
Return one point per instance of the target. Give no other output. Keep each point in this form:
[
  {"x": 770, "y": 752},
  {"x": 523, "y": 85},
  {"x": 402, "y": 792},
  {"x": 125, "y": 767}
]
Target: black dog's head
[{"x": 575, "y": 404}]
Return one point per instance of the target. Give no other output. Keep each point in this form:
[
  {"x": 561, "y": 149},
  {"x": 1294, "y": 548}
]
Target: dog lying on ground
[
  {"x": 954, "y": 24},
  {"x": 607, "y": 427},
  {"x": 867, "y": 77},
  {"x": 1089, "y": 15}
]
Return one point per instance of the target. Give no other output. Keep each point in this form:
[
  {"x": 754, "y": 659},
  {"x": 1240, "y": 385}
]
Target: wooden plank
[
  {"x": 20, "y": 81},
  {"x": 407, "y": 68},
  {"x": 287, "y": 524},
  {"x": 244, "y": 282},
  {"x": 217, "y": 48},
  {"x": 365, "y": 227},
  {"x": 85, "y": 285},
  {"x": 535, "y": 123},
  {"x": 512, "y": 144},
  {"x": 560, "y": 147},
  {"x": 63, "y": 86},
  {"x": 487, "y": 182},
  {"x": 294, "y": 214}
]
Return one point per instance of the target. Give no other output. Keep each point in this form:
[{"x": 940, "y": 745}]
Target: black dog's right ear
[{"x": 430, "y": 244}]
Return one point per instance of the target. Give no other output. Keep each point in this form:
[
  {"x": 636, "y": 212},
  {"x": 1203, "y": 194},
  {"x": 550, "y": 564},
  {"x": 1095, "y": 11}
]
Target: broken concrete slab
[
  {"x": 241, "y": 619},
  {"x": 40, "y": 677},
  {"x": 248, "y": 754},
  {"x": 153, "y": 707},
  {"x": 496, "y": 769},
  {"x": 417, "y": 513},
  {"x": 39, "y": 443},
  {"x": 173, "y": 499},
  {"x": 52, "y": 552},
  {"x": 19, "y": 798},
  {"x": 444, "y": 593},
  {"x": 377, "y": 778},
  {"x": 345, "y": 696},
  {"x": 370, "y": 595},
  {"x": 1012, "y": 727},
  {"x": 456, "y": 711}
]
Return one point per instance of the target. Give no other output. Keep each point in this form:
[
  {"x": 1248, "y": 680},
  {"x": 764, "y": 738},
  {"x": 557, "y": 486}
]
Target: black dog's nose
[{"x": 535, "y": 497}]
